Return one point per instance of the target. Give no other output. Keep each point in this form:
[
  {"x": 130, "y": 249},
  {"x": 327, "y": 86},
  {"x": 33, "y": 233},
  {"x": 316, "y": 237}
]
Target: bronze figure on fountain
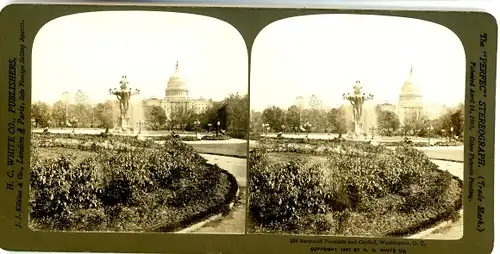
[
  {"x": 123, "y": 95},
  {"x": 357, "y": 99}
]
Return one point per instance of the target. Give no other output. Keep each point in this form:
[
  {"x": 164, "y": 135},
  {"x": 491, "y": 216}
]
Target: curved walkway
[{"x": 234, "y": 222}]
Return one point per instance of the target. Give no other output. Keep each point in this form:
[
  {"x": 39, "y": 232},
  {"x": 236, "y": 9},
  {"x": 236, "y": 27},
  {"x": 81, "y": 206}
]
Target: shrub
[
  {"x": 283, "y": 193},
  {"x": 60, "y": 186},
  {"x": 112, "y": 186},
  {"x": 449, "y": 143},
  {"x": 189, "y": 138},
  {"x": 216, "y": 137},
  {"x": 361, "y": 189}
]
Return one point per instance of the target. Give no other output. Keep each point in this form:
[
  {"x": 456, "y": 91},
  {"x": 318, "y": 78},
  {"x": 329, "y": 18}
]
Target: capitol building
[
  {"x": 410, "y": 103},
  {"x": 177, "y": 97}
]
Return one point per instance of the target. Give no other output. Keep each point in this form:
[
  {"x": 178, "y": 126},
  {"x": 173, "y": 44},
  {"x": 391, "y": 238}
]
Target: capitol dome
[
  {"x": 410, "y": 92},
  {"x": 176, "y": 86}
]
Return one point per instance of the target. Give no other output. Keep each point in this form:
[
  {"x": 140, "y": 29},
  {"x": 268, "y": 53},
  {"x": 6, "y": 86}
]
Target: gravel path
[{"x": 234, "y": 222}]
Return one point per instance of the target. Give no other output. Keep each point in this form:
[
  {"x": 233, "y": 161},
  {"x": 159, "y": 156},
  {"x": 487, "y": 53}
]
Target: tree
[
  {"x": 106, "y": 114},
  {"x": 59, "y": 113},
  {"x": 457, "y": 120},
  {"x": 181, "y": 116},
  {"x": 387, "y": 121},
  {"x": 255, "y": 121},
  {"x": 337, "y": 119},
  {"x": 454, "y": 117},
  {"x": 275, "y": 117},
  {"x": 417, "y": 124},
  {"x": 82, "y": 110},
  {"x": 237, "y": 115},
  {"x": 155, "y": 117},
  {"x": 40, "y": 111},
  {"x": 292, "y": 117},
  {"x": 316, "y": 117}
]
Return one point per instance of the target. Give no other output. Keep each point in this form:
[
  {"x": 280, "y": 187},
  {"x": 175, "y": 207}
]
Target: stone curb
[{"x": 444, "y": 159}]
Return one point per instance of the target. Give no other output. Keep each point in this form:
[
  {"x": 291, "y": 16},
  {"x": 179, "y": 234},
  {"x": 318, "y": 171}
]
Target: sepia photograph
[
  {"x": 139, "y": 124},
  {"x": 357, "y": 128}
]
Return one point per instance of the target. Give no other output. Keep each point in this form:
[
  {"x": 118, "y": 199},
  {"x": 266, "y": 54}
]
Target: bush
[
  {"x": 61, "y": 186},
  {"x": 216, "y": 137},
  {"x": 100, "y": 191},
  {"x": 255, "y": 136},
  {"x": 283, "y": 193},
  {"x": 361, "y": 189},
  {"x": 449, "y": 143}
]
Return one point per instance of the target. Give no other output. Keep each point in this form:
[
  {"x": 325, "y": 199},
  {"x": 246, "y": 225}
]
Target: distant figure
[{"x": 407, "y": 140}]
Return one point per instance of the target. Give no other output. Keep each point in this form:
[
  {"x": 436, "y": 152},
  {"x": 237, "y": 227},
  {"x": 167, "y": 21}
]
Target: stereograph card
[{"x": 219, "y": 129}]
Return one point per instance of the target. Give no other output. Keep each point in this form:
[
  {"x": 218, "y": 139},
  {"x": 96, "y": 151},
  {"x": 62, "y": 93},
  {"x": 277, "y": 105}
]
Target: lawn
[
  {"x": 456, "y": 155},
  {"x": 239, "y": 150}
]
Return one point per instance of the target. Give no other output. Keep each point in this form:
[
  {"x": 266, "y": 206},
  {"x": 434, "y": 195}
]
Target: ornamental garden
[{"x": 125, "y": 180}]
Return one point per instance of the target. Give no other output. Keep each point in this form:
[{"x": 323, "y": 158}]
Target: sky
[
  {"x": 91, "y": 51},
  {"x": 325, "y": 55}
]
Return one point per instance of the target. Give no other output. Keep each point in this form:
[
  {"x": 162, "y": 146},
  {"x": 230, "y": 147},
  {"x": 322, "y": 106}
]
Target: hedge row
[
  {"x": 129, "y": 188},
  {"x": 336, "y": 140},
  {"x": 357, "y": 191}
]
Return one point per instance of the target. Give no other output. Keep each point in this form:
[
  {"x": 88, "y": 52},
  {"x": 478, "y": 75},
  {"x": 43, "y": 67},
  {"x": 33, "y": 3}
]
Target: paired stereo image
[
  {"x": 139, "y": 123},
  {"x": 335, "y": 125}
]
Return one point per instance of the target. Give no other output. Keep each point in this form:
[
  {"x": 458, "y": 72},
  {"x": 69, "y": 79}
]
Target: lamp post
[
  {"x": 74, "y": 123},
  {"x": 265, "y": 128},
  {"x": 308, "y": 127},
  {"x": 372, "y": 128},
  {"x": 430, "y": 129},
  {"x": 218, "y": 127},
  {"x": 196, "y": 124},
  {"x": 140, "y": 123},
  {"x": 66, "y": 99}
]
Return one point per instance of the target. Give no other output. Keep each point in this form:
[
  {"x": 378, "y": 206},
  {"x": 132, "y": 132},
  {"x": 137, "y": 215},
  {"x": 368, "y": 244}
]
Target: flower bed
[
  {"x": 449, "y": 143},
  {"x": 318, "y": 147},
  {"x": 422, "y": 143},
  {"x": 216, "y": 137},
  {"x": 356, "y": 190},
  {"x": 123, "y": 184}
]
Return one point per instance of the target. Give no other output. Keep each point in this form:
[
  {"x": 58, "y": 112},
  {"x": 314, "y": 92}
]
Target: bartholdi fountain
[
  {"x": 123, "y": 95},
  {"x": 357, "y": 100}
]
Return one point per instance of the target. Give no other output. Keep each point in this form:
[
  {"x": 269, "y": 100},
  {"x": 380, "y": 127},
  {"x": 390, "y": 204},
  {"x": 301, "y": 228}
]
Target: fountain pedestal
[
  {"x": 124, "y": 123},
  {"x": 358, "y": 129}
]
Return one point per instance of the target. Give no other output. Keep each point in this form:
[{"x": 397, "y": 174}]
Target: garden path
[{"x": 234, "y": 222}]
